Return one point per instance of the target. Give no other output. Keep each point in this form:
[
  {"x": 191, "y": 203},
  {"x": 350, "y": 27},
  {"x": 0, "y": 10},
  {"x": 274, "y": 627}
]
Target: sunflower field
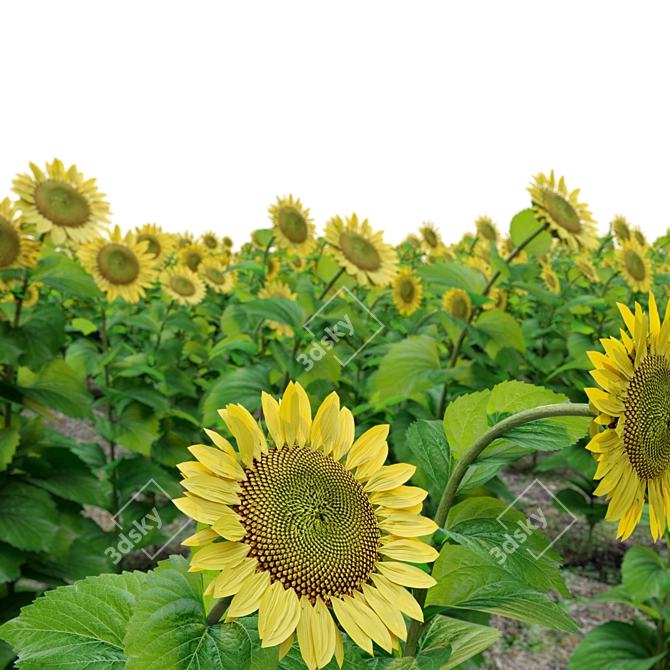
[{"x": 314, "y": 449}]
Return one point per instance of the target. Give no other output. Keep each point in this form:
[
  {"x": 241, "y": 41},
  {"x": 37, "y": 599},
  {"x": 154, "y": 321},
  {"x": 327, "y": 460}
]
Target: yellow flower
[
  {"x": 277, "y": 289},
  {"x": 621, "y": 229},
  {"x": 273, "y": 268},
  {"x": 569, "y": 219},
  {"x": 478, "y": 263},
  {"x": 499, "y": 298},
  {"x": 550, "y": 279},
  {"x": 506, "y": 249},
  {"x": 183, "y": 285},
  {"x": 184, "y": 240},
  {"x": 120, "y": 265},
  {"x": 192, "y": 255},
  {"x": 413, "y": 240},
  {"x": 633, "y": 450},
  {"x": 160, "y": 244},
  {"x": 210, "y": 241},
  {"x": 17, "y": 250},
  {"x": 635, "y": 266},
  {"x": 585, "y": 266},
  {"x": 292, "y": 226},
  {"x": 487, "y": 229},
  {"x": 407, "y": 292},
  {"x": 362, "y": 253},
  {"x": 227, "y": 242},
  {"x": 61, "y": 203},
  {"x": 32, "y": 291},
  {"x": 308, "y": 527},
  {"x": 430, "y": 240},
  {"x": 297, "y": 263},
  {"x": 457, "y": 302},
  {"x": 639, "y": 237},
  {"x": 216, "y": 277}
]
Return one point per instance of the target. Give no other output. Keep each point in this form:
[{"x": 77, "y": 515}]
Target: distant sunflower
[
  {"x": 184, "y": 240},
  {"x": 210, "y": 241},
  {"x": 457, "y": 302},
  {"x": 507, "y": 247},
  {"x": 447, "y": 254},
  {"x": 550, "y": 279},
  {"x": 487, "y": 229},
  {"x": 569, "y": 219},
  {"x": 362, "y": 253},
  {"x": 413, "y": 240},
  {"x": 478, "y": 263},
  {"x": 635, "y": 266},
  {"x": 308, "y": 528},
  {"x": 255, "y": 240},
  {"x": 17, "y": 250},
  {"x": 587, "y": 269},
  {"x": 183, "y": 285},
  {"x": 407, "y": 292},
  {"x": 430, "y": 238},
  {"x": 621, "y": 229},
  {"x": 192, "y": 255},
  {"x": 216, "y": 277},
  {"x": 227, "y": 242},
  {"x": 273, "y": 268},
  {"x": 297, "y": 263},
  {"x": 499, "y": 298},
  {"x": 32, "y": 295},
  {"x": 160, "y": 244},
  {"x": 292, "y": 227},
  {"x": 61, "y": 203},
  {"x": 634, "y": 449},
  {"x": 467, "y": 241},
  {"x": 277, "y": 289},
  {"x": 639, "y": 237},
  {"x": 120, "y": 265}
]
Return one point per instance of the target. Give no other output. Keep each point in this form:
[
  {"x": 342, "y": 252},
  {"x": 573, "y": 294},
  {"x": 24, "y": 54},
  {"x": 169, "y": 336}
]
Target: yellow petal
[
  {"x": 284, "y": 618},
  {"x": 306, "y": 638},
  {"x": 218, "y": 462},
  {"x": 347, "y": 430},
  {"x": 271, "y": 414},
  {"x": 368, "y": 621},
  {"x": 388, "y": 612},
  {"x": 398, "y": 595},
  {"x": 345, "y": 615},
  {"x": 605, "y": 402},
  {"x": 248, "y": 598},
  {"x": 267, "y": 606},
  {"x": 192, "y": 468},
  {"x": 286, "y": 645},
  {"x": 230, "y": 581},
  {"x": 250, "y": 440},
  {"x": 200, "y": 538},
  {"x": 408, "y": 525},
  {"x": 212, "y": 488},
  {"x": 220, "y": 556},
  {"x": 229, "y": 527},
  {"x": 324, "y": 632},
  {"x": 325, "y": 433},
  {"x": 402, "y": 496},
  {"x": 367, "y": 446},
  {"x": 405, "y": 575},
  {"x": 410, "y": 551},
  {"x": 195, "y": 511},
  {"x": 390, "y": 477},
  {"x": 628, "y": 317}
]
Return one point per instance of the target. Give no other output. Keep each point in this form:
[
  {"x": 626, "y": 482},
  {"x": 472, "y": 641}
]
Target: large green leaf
[
  {"x": 503, "y": 331},
  {"x": 9, "y": 440},
  {"x": 429, "y": 444},
  {"x": 62, "y": 273},
  {"x": 644, "y": 575},
  {"x": 43, "y": 336},
  {"x": 282, "y": 310},
  {"x": 80, "y": 627},
  {"x": 137, "y": 428},
  {"x": 243, "y": 386},
  {"x": 523, "y": 225},
  {"x": 11, "y": 560},
  {"x": 454, "y": 275},
  {"x": 465, "y": 420},
  {"x": 468, "y": 581}
]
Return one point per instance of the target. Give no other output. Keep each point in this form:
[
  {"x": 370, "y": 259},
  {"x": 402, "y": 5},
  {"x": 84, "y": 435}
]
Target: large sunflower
[
  {"x": 61, "y": 203},
  {"x": 362, "y": 253},
  {"x": 487, "y": 229},
  {"x": 216, "y": 277},
  {"x": 430, "y": 238},
  {"x": 407, "y": 292},
  {"x": 457, "y": 302},
  {"x": 17, "y": 250},
  {"x": 621, "y": 229},
  {"x": 160, "y": 244},
  {"x": 192, "y": 255},
  {"x": 310, "y": 523},
  {"x": 569, "y": 219},
  {"x": 277, "y": 289},
  {"x": 635, "y": 266},
  {"x": 183, "y": 285},
  {"x": 633, "y": 450},
  {"x": 121, "y": 266},
  {"x": 292, "y": 226}
]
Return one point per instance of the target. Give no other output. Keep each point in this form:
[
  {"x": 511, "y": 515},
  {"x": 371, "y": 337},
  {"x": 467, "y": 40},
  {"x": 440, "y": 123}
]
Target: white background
[{"x": 196, "y": 115}]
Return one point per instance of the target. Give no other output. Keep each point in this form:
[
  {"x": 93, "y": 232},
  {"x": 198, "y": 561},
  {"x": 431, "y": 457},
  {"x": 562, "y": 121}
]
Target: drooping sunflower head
[
  {"x": 635, "y": 266},
  {"x": 159, "y": 244},
  {"x": 486, "y": 229},
  {"x": 192, "y": 255},
  {"x": 183, "y": 285},
  {"x": 120, "y": 266},
  {"x": 308, "y": 527},
  {"x": 362, "y": 253},
  {"x": 566, "y": 217},
  {"x": 61, "y": 203},
  {"x": 17, "y": 250},
  {"x": 633, "y": 450},
  {"x": 584, "y": 265},
  {"x": 430, "y": 238},
  {"x": 292, "y": 225},
  {"x": 215, "y": 276},
  {"x": 498, "y": 298},
  {"x": 621, "y": 229},
  {"x": 457, "y": 302},
  {"x": 639, "y": 237},
  {"x": 277, "y": 289},
  {"x": 274, "y": 266},
  {"x": 407, "y": 292},
  {"x": 551, "y": 280}
]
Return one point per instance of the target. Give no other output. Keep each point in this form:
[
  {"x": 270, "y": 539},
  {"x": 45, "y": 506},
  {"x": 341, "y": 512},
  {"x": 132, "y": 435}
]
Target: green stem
[
  {"x": 374, "y": 303},
  {"x": 267, "y": 250},
  {"x": 604, "y": 242},
  {"x": 218, "y": 610},
  {"x": 470, "y": 456},
  {"x": 162, "y": 328},
  {"x": 423, "y": 319},
  {"x": 330, "y": 284},
  {"x": 10, "y": 372}
]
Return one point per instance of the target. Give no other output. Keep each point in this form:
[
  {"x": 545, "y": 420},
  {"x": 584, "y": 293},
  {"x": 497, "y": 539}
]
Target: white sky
[{"x": 196, "y": 115}]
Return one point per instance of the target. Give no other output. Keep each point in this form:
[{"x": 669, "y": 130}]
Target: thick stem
[
  {"x": 218, "y": 610},
  {"x": 330, "y": 284}
]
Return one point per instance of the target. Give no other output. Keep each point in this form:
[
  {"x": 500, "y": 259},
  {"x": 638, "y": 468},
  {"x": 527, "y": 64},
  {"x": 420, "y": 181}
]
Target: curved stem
[
  {"x": 218, "y": 610},
  {"x": 330, "y": 284},
  {"x": 267, "y": 250},
  {"x": 470, "y": 456},
  {"x": 423, "y": 319}
]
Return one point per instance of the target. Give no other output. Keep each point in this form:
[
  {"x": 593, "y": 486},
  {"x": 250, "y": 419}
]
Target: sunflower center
[
  {"x": 61, "y": 204},
  {"x": 214, "y": 275},
  {"x": 10, "y": 243},
  {"x": 154, "y": 246},
  {"x": 647, "y": 414},
  {"x": 359, "y": 251},
  {"x": 407, "y": 290},
  {"x": 460, "y": 308},
  {"x": 309, "y": 523},
  {"x": 562, "y": 212},
  {"x": 182, "y": 285},
  {"x": 621, "y": 230},
  {"x": 430, "y": 237},
  {"x": 118, "y": 264},
  {"x": 488, "y": 231},
  {"x": 210, "y": 241},
  {"x": 292, "y": 223},
  {"x": 634, "y": 264},
  {"x": 193, "y": 260}
]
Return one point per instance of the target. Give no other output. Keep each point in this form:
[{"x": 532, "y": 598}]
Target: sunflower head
[
  {"x": 407, "y": 292},
  {"x": 565, "y": 216},
  {"x": 621, "y": 229},
  {"x": 183, "y": 240},
  {"x": 639, "y": 237},
  {"x": 498, "y": 298},
  {"x": 159, "y": 244},
  {"x": 215, "y": 276},
  {"x": 478, "y": 263},
  {"x": 273, "y": 268},
  {"x": 192, "y": 255},
  {"x": 635, "y": 266},
  {"x": 551, "y": 280},
  {"x": 412, "y": 240},
  {"x": 17, "y": 250},
  {"x": 292, "y": 226},
  {"x": 584, "y": 265},
  {"x": 308, "y": 527},
  {"x": 183, "y": 285},
  {"x": 486, "y": 229},
  {"x": 227, "y": 242},
  {"x": 210, "y": 241},
  {"x": 430, "y": 238},
  {"x": 457, "y": 302},
  {"x": 28, "y": 298},
  {"x": 277, "y": 289}
]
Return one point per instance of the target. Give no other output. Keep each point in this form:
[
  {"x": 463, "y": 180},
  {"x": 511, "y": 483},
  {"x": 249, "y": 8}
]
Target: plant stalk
[
  {"x": 218, "y": 610},
  {"x": 330, "y": 284}
]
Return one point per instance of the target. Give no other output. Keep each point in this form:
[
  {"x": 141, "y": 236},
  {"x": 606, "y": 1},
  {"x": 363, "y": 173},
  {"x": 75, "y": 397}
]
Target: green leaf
[
  {"x": 512, "y": 397},
  {"x": 142, "y": 391},
  {"x": 256, "y": 267},
  {"x": 644, "y": 575},
  {"x": 453, "y": 275},
  {"x": 137, "y": 428},
  {"x": 523, "y": 225},
  {"x": 79, "y": 627},
  {"x": 11, "y": 560},
  {"x": 81, "y": 357},
  {"x": 43, "y": 336},
  {"x": 9, "y": 440},
  {"x": 616, "y": 646},
  {"x": 239, "y": 342},
  {"x": 243, "y": 386},
  {"x": 29, "y": 519},
  {"x": 282, "y": 310},
  {"x": 467, "y": 581},
  {"x": 84, "y": 325},
  {"x": 503, "y": 330},
  {"x": 429, "y": 444},
  {"x": 64, "y": 274},
  {"x": 465, "y": 420}
]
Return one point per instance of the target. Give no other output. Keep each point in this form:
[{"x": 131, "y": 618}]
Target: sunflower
[
  {"x": 160, "y": 244},
  {"x": 121, "y": 266},
  {"x": 309, "y": 529},
  {"x": 192, "y": 255},
  {"x": 507, "y": 247},
  {"x": 61, "y": 203},
  {"x": 216, "y": 277},
  {"x": 407, "y": 292},
  {"x": 183, "y": 285},
  {"x": 478, "y": 263},
  {"x": 430, "y": 239},
  {"x": 550, "y": 279},
  {"x": 633, "y": 450},
  {"x": 499, "y": 298},
  {"x": 256, "y": 242},
  {"x": 273, "y": 268},
  {"x": 210, "y": 241},
  {"x": 487, "y": 229},
  {"x": 457, "y": 302},
  {"x": 448, "y": 254},
  {"x": 17, "y": 250},
  {"x": 277, "y": 289},
  {"x": 635, "y": 266},
  {"x": 184, "y": 240},
  {"x": 569, "y": 219},
  {"x": 362, "y": 253},
  {"x": 413, "y": 240},
  {"x": 32, "y": 295},
  {"x": 292, "y": 226},
  {"x": 639, "y": 237},
  {"x": 227, "y": 242},
  {"x": 297, "y": 263},
  {"x": 585, "y": 266},
  {"x": 621, "y": 229}
]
